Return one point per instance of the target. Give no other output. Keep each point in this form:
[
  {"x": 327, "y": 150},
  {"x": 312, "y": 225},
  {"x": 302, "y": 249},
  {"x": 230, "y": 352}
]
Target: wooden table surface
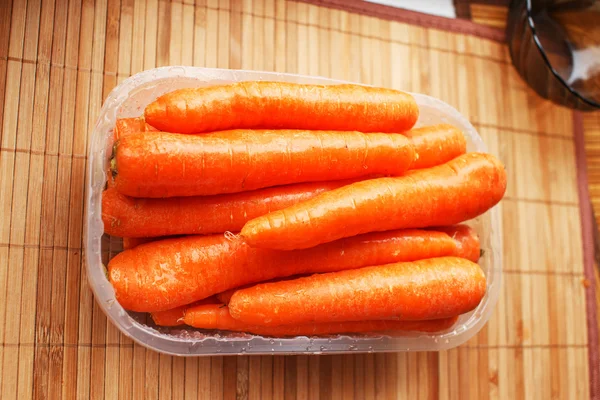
[{"x": 59, "y": 59}]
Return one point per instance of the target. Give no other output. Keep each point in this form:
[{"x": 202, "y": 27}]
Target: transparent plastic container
[{"x": 129, "y": 100}]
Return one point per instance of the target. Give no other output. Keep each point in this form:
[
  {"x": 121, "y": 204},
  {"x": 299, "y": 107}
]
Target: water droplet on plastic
[
  {"x": 322, "y": 348},
  {"x": 446, "y": 341},
  {"x": 436, "y": 340},
  {"x": 370, "y": 349},
  {"x": 272, "y": 349},
  {"x": 272, "y": 341},
  {"x": 177, "y": 70},
  {"x": 193, "y": 347},
  {"x": 352, "y": 347},
  {"x": 243, "y": 350},
  {"x": 328, "y": 340}
]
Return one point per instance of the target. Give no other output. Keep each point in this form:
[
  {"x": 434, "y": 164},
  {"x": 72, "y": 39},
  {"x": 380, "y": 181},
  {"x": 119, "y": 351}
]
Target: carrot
[
  {"x": 225, "y": 296},
  {"x": 172, "y": 317},
  {"x": 170, "y": 273},
  {"x": 459, "y": 190},
  {"x": 461, "y": 241},
  {"x": 175, "y": 316},
  {"x": 426, "y": 289},
  {"x": 218, "y": 317},
  {"x": 127, "y": 126},
  {"x": 465, "y": 239},
  {"x": 436, "y": 144},
  {"x": 283, "y": 105},
  {"x": 157, "y": 164},
  {"x": 126, "y": 216},
  {"x": 124, "y": 127}
]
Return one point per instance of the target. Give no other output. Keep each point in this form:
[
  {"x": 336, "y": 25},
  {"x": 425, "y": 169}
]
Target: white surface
[
  {"x": 442, "y": 8},
  {"x": 586, "y": 63},
  {"x": 129, "y": 99}
]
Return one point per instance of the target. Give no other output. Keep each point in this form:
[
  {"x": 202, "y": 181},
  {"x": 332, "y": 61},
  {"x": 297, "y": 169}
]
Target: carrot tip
[{"x": 154, "y": 111}]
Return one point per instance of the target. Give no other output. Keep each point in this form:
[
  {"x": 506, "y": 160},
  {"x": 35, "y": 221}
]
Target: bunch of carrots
[{"x": 282, "y": 209}]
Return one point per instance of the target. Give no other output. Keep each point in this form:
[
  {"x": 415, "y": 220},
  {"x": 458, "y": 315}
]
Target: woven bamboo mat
[{"x": 60, "y": 59}]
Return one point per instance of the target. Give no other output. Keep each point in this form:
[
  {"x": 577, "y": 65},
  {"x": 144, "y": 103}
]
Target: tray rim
[{"x": 250, "y": 344}]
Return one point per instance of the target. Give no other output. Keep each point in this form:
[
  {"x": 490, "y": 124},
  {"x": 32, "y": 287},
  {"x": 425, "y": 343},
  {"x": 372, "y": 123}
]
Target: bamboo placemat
[{"x": 60, "y": 59}]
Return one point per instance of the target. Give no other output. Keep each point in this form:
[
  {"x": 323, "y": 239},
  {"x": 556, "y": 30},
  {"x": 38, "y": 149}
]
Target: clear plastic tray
[{"x": 129, "y": 100}]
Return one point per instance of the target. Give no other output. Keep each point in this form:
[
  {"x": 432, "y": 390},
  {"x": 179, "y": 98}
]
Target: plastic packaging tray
[{"x": 129, "y": 100}]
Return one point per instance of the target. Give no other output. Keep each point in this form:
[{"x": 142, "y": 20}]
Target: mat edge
[
  {"x": 587, "y": 234},
  {"x": 455, "y": 25}
]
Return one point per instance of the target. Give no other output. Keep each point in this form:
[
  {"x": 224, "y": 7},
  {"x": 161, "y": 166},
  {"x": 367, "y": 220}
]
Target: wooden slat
[
  {"x": 17, "y": 29},
  {"x": 178, "y": 378},
  {"x": 151, "y": 34},
  {"x": 5, "y": 22},
  {"x": 489, "y": 14},
  {"x": 299, "y": 50},
  {"x": 591, "y": 122},
  {"x": 151, "y": 380},
  {"x": 254, "y": 381},
  {"x": 60, "y": 59},
  {"x": 21, "y": 262}
]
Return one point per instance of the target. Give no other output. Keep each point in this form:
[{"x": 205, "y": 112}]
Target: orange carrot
[
  {"x": 412, "y": 291},
  {"x": 459, "y": 190},
  {"x": 170, "y": 273},
  {"x": 175, "y": 316},
  {"x": 124, "y": 127},
  {"x": 462, "y": 241},
  {"x": 218, "y": 317},
  {"x": 466, "y": 241},
  {"x": 172, "y": 317},
  {"x": 225, "y": 296},
  {"x": 436, "y": 144},
  {"x": 283, "y": 105},
  {"x": 127, "y": 126},
  {"x": 157, "y": 164},
  {"x": 126, "y": 216}
]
